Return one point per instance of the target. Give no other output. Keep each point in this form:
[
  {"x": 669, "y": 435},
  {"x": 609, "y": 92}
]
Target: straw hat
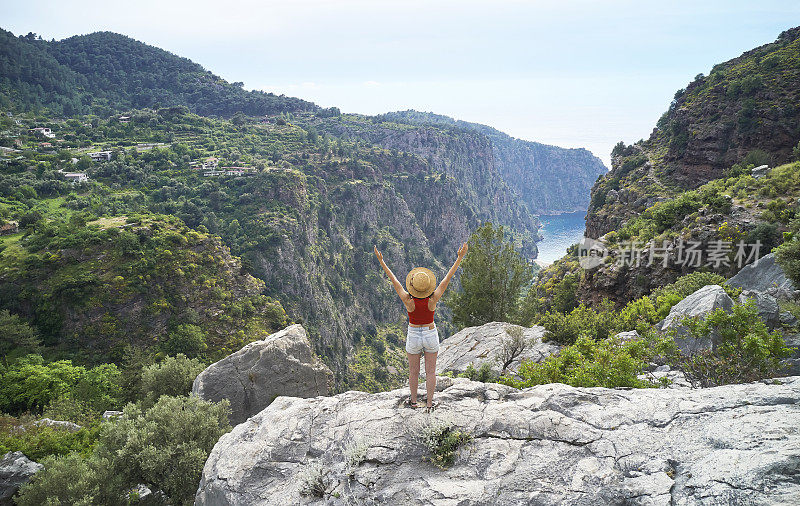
[{"x": 421, "y": 282}]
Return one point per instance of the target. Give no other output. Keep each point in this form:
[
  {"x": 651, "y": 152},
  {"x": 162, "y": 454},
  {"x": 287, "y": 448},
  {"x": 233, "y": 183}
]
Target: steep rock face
[
  {"x": 764, "y": 276},
  {"x": 550, "y": 444},
  {"x": 15, "y": 470},
  {"x": 484, "y": 345},
  {"x": 281, "y": 364},
  {"x": 549, "y": 179},
  {"x": 466, "y": 157}
]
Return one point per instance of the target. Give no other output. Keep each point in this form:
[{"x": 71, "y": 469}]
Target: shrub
[
  {"x": 443, "y": 440},
  {"x": 767, "y": 234},
  {"x": 72, "y": 479},
  {"x": 756, "y": 158},
  {"x": 166, "y": 445},
  {"x": 16, "y": 335},
  {"x": 483, "y": 374},
  {"x": 31, "y": 384},
  {"x": 173, "y": 376},
  {"x": 583, "y": 320},
  {"x": 637, "y": 315},
  {"x": 513, "y": 344},
  {"x": 313, "y": 482},
  {"x": 788, "y": 257},
  {"x": 745, "y": 350},
  {"x": 607, "y": 363},
  {"x": 355, "y": 451},
  {"x": 38, "y": 442},
  {"x": 72, "y": 410},
  {"x": 565, "y": 296},
  {"x": 188, "y": 339},
  {"x": 690, "y": 283}
]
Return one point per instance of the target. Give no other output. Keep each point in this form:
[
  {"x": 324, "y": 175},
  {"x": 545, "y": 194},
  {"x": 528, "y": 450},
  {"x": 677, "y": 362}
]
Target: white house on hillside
[
  {"x": 100, "y": 156},
  {"x": 76, "y": 177},
  {"x": 46, "y": 132}
]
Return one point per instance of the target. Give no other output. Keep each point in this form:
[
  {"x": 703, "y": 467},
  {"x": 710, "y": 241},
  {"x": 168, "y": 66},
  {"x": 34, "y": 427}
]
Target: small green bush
[
  {"x": 788, "y": 257},
  {"x": 745, "y": 350},
  {"x": 164, "y": 446},
  {"x": 443, "y": 440},
  {"x": 690, "y": 283},
  {"x": 30, "y": 384},
  {"x": 172, "y": 376},
  {"x": 583, "y": 320},
  {"x": 188, "y": 339},
  {"x": 484, "y": 373},
  {"x": 72, "y": 480},
  {"x": 607, "y": 363},
  {"x": 38, "y": 442}
]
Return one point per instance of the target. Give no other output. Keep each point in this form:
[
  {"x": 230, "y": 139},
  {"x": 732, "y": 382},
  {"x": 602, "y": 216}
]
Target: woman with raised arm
[{"x": 420, "y": 301}]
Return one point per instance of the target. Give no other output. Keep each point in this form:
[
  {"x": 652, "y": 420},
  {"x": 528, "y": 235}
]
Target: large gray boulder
[
  {"x": 485, "y": 344},
  {"x": 765, "y": 275},
  {"x": 281, "y": 364},
  {"x": 15, "y": 470},
  {"x": 705, "y": 300},
  {"x": 546, "y": 445},
  {"x": 768, "y": 309}
]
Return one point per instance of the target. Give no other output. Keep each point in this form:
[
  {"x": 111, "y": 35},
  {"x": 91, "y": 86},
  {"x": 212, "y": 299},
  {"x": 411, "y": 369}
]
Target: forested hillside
[
  {"x": 104, "y": 72},
  {"x": 304, "y": 217}
]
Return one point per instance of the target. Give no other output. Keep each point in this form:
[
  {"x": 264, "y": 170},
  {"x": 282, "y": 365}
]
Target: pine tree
[{"x": 493, "y": 275}]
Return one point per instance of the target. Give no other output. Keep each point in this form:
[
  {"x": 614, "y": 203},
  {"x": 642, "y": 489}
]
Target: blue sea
[{"x": 559, "y": 232}]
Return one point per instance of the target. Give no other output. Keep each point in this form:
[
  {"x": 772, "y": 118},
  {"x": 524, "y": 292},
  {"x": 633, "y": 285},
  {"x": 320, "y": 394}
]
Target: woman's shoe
[{"x": 412, "y": 405}]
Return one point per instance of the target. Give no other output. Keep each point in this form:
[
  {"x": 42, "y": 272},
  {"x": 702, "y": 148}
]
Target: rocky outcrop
[
  {"x": 700, "y": 303},
  {"x": 768, "y": 309},
  {"x": 485, "y": 345},
  {"x": 765, "y": 275},
  {"x": 281, "y": 364},
  {"x": 549, "y": 444},
  {"x": 15, "y": 470}
]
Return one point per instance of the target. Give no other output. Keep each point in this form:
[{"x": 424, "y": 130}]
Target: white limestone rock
[
  {"x": 281, "y": 364},
  {"x": 484, "y": 344},
  {"x": 546, "y": 445}
]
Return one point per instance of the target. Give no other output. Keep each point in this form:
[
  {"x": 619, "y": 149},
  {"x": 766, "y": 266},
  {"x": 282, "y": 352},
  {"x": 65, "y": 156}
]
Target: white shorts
[{"x": 422, "y": 339}]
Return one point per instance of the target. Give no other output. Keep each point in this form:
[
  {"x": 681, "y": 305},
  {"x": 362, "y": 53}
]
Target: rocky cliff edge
[{"x": 549, "y": 444}]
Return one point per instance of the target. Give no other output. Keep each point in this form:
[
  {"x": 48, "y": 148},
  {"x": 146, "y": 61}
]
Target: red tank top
[{"x": 421, "y": 314}]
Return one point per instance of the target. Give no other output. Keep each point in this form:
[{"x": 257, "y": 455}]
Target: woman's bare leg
[
  {"x": 430, "y": 376},
  {"x": 413, "y": 374}
]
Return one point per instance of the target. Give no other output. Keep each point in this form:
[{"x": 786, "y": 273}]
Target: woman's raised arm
[
  {"x": 437, "y": 294},
  {"x": 401, "y": 292}
]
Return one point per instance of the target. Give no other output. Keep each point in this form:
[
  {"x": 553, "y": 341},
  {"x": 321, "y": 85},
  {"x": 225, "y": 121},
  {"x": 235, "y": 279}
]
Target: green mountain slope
[
  {"x": 747, "y": 104},
  {"x": 106, "y": 72},
  {"x": 96, "y": 289}
]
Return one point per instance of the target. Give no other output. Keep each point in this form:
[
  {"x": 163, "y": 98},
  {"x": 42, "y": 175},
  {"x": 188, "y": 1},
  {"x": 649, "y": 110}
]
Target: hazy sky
[{"x": 570, "y": 73}]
